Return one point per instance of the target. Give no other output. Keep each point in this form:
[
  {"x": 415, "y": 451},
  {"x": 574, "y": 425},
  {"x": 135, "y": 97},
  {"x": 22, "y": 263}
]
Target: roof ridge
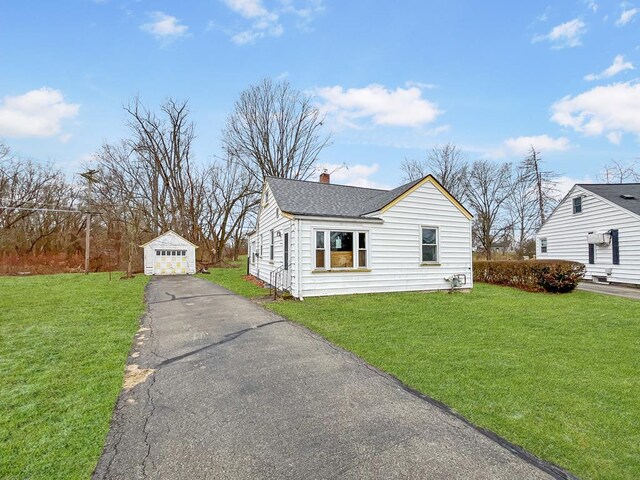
[
  {"x": 332, "y": 184},
  {"x": 609, "y": 184}
]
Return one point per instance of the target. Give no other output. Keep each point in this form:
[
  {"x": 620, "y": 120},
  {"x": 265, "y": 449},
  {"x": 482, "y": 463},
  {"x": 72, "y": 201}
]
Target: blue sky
[{"x": 394, "y": 78}]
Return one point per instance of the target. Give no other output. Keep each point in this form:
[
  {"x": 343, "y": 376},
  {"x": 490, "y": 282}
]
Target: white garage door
[{"x": 170, "y": 262}]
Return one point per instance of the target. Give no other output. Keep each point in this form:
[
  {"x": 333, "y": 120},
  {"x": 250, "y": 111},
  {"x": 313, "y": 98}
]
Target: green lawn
[
  {"x": 64, "y": 341},
  {"x": 231, "y": 278},
  {"x": 557, "y": 374}
]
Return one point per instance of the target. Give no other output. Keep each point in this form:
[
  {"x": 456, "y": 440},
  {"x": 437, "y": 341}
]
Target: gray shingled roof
[
  {"x": 300, "y": 197},
  {"x": 614, "y": 191}
]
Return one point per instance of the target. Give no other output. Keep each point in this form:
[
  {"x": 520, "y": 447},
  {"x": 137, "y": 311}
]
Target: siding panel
[
  {"x": 394, "y": 249},
  {"x": 566, "y": 236}
]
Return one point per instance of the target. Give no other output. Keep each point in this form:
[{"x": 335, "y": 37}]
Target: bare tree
[
  {"x": 488, "y": 188},
  {"x": 619, "y": 172},
  {"x": 163, "y": 144},
  {"x": 274, "y": 130},
  {"x": 227, "y": 206},
  {"x": 544, "y": 183},
  {"x": 446, "y": 162},
  {"x": 36, "y": 206},
  {"x": 523, "y": 208}
]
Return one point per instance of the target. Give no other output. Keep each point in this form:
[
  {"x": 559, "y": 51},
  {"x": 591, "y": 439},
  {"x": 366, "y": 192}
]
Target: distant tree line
[
  {"x": 509, "y": 201},
  {"x": 149, "y": 181}
]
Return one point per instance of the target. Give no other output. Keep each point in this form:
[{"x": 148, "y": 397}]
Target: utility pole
[{"x": 88, "y": 175}]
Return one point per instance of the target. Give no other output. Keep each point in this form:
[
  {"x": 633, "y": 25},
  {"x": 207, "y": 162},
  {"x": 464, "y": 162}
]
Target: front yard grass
[
  {"x": 556, "y": 374},
  {"x": 231, "y": 279},
  {"x": 64, "y": 341}
]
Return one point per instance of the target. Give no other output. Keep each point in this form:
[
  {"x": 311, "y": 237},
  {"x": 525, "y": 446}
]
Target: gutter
[{"x": 338, "y": 219}]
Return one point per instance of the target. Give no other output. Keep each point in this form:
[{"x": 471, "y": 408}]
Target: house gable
[
  {"x": 583, "y": 191},
  {"x": 429, "y": 179},
  {"x": 169, "y": 233}
]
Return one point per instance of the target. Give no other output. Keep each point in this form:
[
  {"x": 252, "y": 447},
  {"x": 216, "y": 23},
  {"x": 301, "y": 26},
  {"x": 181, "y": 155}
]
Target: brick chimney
[{"x": 325, "y": 177}]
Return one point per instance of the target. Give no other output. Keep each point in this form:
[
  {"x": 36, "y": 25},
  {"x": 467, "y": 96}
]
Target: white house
[
  {"x": 169, "y": 254},
  {"x": 317, "y": 239},
  {"x": 597, "y": 225}
]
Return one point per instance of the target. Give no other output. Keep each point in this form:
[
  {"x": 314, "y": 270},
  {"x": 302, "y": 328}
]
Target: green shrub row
[{"x": 558, "y": 276}]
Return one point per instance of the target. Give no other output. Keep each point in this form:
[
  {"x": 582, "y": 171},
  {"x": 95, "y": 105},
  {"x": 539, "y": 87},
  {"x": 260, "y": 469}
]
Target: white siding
[
  {"x": 395, "y": 248},
  {"x": 270, "y": 218},
  {"x": 566, "y": 235},
  {"x": 168, "y": 241}
]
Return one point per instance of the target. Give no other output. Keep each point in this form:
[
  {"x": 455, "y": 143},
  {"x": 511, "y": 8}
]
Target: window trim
[
  {"x": 437, "y": 245},
  {"x": 573, "y": 205},
  {"x": 544, "y": 245},
  {"x": 355, "y": 250}
]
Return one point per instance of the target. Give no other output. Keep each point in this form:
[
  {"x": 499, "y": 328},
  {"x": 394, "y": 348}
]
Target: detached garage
[{"x": 169, "y": 254}]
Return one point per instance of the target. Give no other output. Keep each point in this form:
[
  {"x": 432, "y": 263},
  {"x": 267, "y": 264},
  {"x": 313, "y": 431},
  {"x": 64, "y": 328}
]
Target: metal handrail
[{"x": 274, "y": 276}]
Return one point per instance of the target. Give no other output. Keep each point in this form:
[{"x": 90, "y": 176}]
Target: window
[
  {"x": 543, "y": 245},
  {"x": 347, "y": 250},
  {"x": 261, "y": 243},
  {"x": 266, "y": 197},
  {"x": 320, "y": 249},
  {"x": 362, "y": 249},
  {"x": 158, "y": 252},
  {"x": 341, "y": 244},
  {"x": 271, "y": 246},
  {"x": 615, "y": 247},
  {"x": 429, "y": 245},
  {"x": 577, "y": 205}
]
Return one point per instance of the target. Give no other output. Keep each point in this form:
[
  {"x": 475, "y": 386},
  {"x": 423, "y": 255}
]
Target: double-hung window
[
  {"x": 320, "y": 250},
  {"x": 543, "y": 245},
  {"x": 429, "y": 244},
  {"x": 336, "y": 250},
  {"x": 577, "y": 205}
]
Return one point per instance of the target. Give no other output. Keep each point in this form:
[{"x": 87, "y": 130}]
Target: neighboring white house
[
  {"x": 598, "y": 225},
  {"x": 316, "y": 239},
  {"x": 169, "y": 254}
]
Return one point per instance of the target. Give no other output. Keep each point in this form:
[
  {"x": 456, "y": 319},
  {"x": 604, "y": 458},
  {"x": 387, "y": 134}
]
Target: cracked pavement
[{"x": 240, "y": 393}]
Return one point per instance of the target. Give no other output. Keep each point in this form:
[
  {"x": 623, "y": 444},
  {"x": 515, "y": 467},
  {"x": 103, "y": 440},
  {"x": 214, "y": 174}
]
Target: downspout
[{"x": 299, "y": 258}]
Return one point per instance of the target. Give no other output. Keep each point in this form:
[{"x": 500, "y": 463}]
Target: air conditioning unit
[{"x": 599, "y": 238}]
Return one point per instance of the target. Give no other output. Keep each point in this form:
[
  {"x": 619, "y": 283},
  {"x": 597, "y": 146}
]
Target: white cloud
[
  {"x": 614, "y": 137},
  {"x": 65, "y": 137},
  {"x": 566, "y": 34},
  {"x": 626, "y": 16},
  {"x": 592, "y": 5},
  {"x": 37, "y": 113},
  {"x": 420, "y": 85},
  {"x": 247, "y": 8},
  {"x": 164, "y": 27},
  {"x": 400, "y": 107},
  {"x": 268, "y": 23},
  {"x": 619, "y": 65},
  {"x": 543, "y": 143},
  {"x": 565, "y": 183},
  {"x": 354, "y": 175},
  {"x": 604, "y": 110}
]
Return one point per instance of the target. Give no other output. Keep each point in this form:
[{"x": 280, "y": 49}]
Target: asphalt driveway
[
  {"x": 222, "y": 389},
  {"x": 616, "y": 290}
]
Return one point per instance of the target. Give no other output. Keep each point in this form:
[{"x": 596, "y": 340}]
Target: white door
[{"x": 170, "y": 262}]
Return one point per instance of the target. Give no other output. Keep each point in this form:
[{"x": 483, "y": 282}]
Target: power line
[{"x": 32, "y": 209}]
